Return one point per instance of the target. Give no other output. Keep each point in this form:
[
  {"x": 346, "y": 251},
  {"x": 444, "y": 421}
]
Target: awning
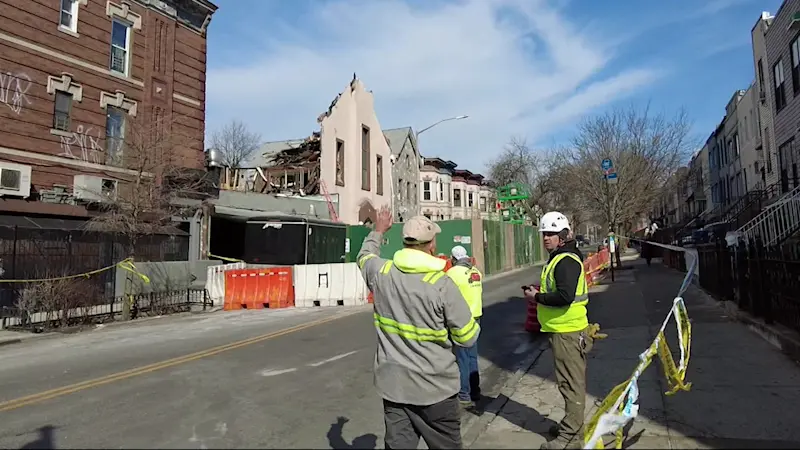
[
  {"x": 42, "y": 223},
  {"x": 49, "y": 223}
]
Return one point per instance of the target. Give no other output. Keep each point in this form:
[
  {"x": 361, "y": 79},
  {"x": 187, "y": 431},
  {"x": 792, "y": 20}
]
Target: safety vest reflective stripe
[
  {"x": 386, "y": 267},
  {"x": 409, "y": 331},
  {"x": 363, "y": 259},
  {"x": 432, "y": 277},
  {"x": 465, "y": 333}
]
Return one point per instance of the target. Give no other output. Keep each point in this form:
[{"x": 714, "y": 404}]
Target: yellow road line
[{"x": 72, "y": 388}]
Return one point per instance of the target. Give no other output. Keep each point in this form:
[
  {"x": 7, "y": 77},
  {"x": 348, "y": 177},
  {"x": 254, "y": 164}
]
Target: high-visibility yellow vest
[
  {"x": 470, "y": 282},
  {"x": 564, "y": 319}
]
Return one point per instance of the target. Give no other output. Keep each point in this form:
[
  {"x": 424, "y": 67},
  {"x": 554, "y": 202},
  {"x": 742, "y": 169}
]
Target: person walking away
[
  {"x": 419, "y": 315},
  {"x": 470, "y": 282},
  {"x": 561, "y": 310},
  {"x": 647, "y": 251}
]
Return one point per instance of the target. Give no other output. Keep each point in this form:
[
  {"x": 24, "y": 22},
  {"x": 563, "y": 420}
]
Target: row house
[
  {"x": 782, "y": 42},
  {"x": 725, "y": 165},
  {"x": 75, "y": 76},
  {"x": 448, "y": 193},
  {"x": 406, "y": 162}
]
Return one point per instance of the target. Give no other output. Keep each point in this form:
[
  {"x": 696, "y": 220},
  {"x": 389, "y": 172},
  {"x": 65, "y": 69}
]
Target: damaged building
[{"x": 347, "y": 161}]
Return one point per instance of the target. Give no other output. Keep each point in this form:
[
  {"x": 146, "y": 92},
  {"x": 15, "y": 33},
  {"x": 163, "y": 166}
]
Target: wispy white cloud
[{"x": 516, "y": 67}]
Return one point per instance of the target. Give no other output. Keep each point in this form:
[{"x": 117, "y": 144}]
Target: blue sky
[{"x": 518, "y": 68}]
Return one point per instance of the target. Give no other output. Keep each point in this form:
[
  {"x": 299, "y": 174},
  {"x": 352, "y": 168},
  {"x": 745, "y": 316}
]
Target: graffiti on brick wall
[
  {"x": 14, "y": 89},
  {"x": 82, "y": 144}
]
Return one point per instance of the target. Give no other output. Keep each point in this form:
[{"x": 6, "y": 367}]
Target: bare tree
[
  {"x": 235, "y": 143},
  {"x": 163, "y": 181},
  {"x": 540, "y": 171},
  {"x": 646, "y": 149}
]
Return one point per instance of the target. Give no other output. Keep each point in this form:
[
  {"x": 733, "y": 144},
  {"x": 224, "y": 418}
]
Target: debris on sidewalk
[{"x": 744, "y": 393}]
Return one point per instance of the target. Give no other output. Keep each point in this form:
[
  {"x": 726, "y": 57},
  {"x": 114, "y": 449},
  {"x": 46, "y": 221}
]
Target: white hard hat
[
  {"x": 553, "y": 222},
  {"x": 458, "y": 252}
]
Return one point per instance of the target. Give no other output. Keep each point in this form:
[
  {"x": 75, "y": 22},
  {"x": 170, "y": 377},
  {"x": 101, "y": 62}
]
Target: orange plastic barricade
[
  {"x": 234, "y": 284},
  {"x": 259, "y": 288},
  {"x": 532, "y": 324}
]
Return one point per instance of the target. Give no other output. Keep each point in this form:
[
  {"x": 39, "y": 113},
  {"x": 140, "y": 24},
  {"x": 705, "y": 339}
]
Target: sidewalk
[{"x": 745, "y": 393}]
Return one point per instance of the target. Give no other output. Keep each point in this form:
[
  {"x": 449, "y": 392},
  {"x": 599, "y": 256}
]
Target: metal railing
[
  {"x": 762, "y": 283},
  {"x": 775, "y": 223},
  {"x": 72, "y": 314}
]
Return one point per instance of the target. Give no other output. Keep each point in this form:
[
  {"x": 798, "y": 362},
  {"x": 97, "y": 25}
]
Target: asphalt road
[{"x": 245, "y": 379}]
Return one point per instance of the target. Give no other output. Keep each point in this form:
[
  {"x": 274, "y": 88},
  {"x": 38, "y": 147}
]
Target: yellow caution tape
[
  {"x": 224, "y": 258},
  {"x": 125, "y": 264},
  {"x": 623, "y": 398}
]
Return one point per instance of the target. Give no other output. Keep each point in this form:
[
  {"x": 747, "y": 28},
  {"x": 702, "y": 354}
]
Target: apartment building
[
  {"x": 751, "y": 150},
  {"x": 725, "y": 164},
  {"x": 765, "y": 139},
  {"x": 76, "y": 75},
  {"x": 782, "y": 43},
  {"x": 448, "y": 193},
  {"x": 697, "y": 188}
]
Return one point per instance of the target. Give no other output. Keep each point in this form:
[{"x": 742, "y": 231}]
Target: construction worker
[
  {"x": 419, "y": 315},
  {"x": 469, "y": 281},
  {"x": 561, "y": 310}
]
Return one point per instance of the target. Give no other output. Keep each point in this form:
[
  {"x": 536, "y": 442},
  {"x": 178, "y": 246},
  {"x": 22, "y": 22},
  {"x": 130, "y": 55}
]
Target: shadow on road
[
  {"x": 46, "y": 439},
  {"x": 336, "y": 438}
]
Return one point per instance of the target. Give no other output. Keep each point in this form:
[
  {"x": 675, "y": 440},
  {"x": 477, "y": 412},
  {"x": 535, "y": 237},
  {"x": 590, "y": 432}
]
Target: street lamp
[{"x": 437, "y": 123}]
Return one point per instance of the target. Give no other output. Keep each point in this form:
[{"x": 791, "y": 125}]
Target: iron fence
[
  {"x": 762, "y": 282},
  {"x": 33, "y": 254},
  {"x": 142, "y": 305}
]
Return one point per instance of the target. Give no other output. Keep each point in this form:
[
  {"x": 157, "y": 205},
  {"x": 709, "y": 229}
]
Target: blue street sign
[{"x": 606, "y": 164}]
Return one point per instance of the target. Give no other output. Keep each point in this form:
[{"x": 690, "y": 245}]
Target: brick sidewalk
[{"x": 745, "y": 393}]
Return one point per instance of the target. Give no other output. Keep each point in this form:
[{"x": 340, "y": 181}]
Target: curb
[
  {"x": 477, "y": 427},
  {"x": 785, "y": 341}
]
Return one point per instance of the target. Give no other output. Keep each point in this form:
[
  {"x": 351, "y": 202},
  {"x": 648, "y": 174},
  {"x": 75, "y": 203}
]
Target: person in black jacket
[{"x": 561, "y": 309}]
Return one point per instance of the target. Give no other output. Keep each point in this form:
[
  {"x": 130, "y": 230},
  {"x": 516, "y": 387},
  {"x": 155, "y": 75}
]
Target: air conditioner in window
[
  {"x": 91, "y": 188},
  {"x": 15, "y": 180}
]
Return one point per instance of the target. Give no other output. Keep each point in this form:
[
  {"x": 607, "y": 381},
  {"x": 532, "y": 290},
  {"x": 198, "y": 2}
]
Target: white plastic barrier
[
  {"x": 329, "y": 285},
  {"x": 215, "y": 281}
]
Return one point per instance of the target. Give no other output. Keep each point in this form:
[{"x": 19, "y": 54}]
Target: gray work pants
[{"x": 439, "y": 424}]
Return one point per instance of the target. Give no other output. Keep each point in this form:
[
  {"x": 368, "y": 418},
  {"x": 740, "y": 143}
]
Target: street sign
[
  {"x": 606, "y": 165},
  {"x": 611, "y": 175}
]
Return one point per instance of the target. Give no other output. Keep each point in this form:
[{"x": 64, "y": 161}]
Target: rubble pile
[{"x": 303, "y": 155}]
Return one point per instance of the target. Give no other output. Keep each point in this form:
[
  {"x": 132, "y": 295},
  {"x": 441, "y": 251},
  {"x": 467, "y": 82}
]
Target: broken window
[
  {"x": 339, "y": 162},
  {"x": 379, "y": 174},
  {"x": 365, "y": 159}
]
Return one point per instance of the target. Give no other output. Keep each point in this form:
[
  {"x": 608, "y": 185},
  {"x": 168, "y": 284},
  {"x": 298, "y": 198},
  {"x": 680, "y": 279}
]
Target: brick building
[{"x": 75, "y": 75}]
